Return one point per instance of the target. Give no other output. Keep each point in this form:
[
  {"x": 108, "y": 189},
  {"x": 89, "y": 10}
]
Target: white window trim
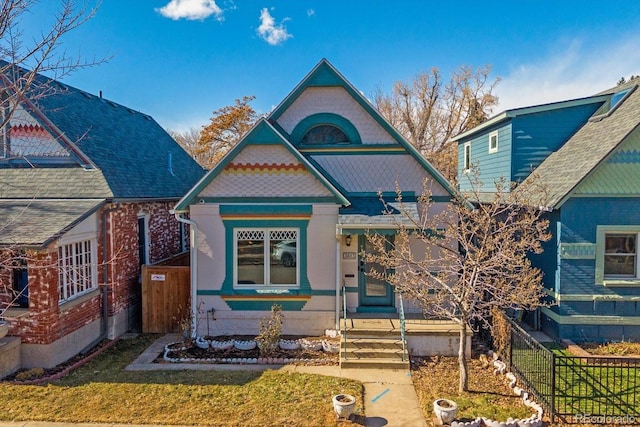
[
  {"x": 600, "y": 277},
  {"x": 491, "y": 135},
  {"x": 93, "y": 269},
  {"x": 267, "y": 260},
  {"x": 466, "y": 158}
]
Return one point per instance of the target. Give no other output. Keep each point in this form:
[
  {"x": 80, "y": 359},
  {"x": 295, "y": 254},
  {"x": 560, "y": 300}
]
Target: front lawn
[
  {"x": 102, "y": 391},
  {"x": 489, "y": 395}
]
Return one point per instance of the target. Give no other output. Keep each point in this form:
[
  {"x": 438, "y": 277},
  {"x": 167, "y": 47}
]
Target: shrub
[{"x": 270, "y": 331}]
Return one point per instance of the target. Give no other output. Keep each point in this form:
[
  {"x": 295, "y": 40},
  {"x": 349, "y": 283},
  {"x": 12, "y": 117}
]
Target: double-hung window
[
  {"x": 621, "y": 255},
  {"x": 77, "y": 272},
  {"x": 618, "y": 261},
  {"x": 266, "y": 257}
]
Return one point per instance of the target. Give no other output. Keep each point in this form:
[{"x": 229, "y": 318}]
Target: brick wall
[{"x": 46, "y": 321}]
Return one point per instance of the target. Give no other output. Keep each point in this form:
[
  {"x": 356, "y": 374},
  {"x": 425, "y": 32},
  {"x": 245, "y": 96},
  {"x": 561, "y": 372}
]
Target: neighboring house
[
  {"x": 85, "y": 194},
  {"x": 282, "y": 218},
  {"x": 586, "y": 153}
]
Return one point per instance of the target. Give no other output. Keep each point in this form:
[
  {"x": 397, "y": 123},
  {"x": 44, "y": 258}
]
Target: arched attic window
[
  {"x": 325, "y": 134},
  {"x": 325, "y": 129}
]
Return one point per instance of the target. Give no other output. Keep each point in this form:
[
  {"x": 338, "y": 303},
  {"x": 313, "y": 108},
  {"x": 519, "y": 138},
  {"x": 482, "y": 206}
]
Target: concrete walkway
[{"x": 389, "y": 397}]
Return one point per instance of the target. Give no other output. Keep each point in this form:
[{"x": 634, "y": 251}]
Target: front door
[{"x": 374, "y": 294}]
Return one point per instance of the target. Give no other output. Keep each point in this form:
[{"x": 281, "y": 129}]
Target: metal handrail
[
  {"x": 402, "y": 326},
  {"x": 344, "y": 320}
]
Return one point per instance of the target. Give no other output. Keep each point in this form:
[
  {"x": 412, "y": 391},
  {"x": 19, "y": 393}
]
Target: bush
[{"x": 270, "y": 331}]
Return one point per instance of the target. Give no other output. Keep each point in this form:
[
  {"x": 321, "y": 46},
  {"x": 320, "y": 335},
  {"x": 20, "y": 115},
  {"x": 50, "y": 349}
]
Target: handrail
[
  {"x": 402, "y": 326},
  {"x": 344, "y": 320}
]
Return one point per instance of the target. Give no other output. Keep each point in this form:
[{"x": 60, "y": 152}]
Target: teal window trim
[
  {"x": 601, "y": 278},
  {"x": 319, "y": 119},
  {"x": 229, "y": 287}
]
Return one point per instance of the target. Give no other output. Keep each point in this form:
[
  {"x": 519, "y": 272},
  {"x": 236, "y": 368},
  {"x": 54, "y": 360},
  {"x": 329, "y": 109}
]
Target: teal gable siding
[
  {"x": 491, "y": 166},
  {"x": 536, "y": 136}
]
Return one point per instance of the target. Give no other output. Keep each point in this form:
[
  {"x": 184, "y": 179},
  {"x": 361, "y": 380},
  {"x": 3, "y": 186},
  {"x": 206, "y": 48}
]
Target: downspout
[
  {"x": 193, "y": 234},
  {"x": 338, "y": 274},
  {"x": 105, "y": 273}
]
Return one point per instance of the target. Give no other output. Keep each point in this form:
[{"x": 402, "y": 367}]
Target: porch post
[{"x": 338, "y": 275}]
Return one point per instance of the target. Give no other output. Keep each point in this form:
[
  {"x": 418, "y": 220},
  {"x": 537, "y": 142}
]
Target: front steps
[{"x": 373, "y": 346}]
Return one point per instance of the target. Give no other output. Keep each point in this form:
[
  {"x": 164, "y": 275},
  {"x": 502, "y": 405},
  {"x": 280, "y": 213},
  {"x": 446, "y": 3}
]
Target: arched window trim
[{"x": 329, "y": 119}]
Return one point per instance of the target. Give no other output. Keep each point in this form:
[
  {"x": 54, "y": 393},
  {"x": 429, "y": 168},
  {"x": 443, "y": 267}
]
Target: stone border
[
  {"x": 534, "y": 420},
  {"x": 240, "y": 360}
]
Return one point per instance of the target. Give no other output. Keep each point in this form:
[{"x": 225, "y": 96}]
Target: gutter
[{"x": 193, "y": 250}]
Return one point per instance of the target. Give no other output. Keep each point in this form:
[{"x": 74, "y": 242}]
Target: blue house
[{"x": 586, "y": 153}]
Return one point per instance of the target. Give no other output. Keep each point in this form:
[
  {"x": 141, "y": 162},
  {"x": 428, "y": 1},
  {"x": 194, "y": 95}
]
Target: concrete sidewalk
[{"x": 389, "y": 397}]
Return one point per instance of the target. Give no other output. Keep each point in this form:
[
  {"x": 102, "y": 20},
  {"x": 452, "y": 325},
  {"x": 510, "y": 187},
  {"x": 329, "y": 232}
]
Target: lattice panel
[
  {"x": 283, "y": 235},
  {"x": 250, "y": 234}
]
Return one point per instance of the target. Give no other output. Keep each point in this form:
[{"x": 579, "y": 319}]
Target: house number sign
[
  {"x": 349, "y": 255},
  {"x": 157, "y": 277}
]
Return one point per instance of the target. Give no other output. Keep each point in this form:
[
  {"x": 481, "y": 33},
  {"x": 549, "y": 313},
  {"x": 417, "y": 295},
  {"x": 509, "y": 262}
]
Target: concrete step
[
  {"x": 374, "y": 363},
  {"x": 373, "y": 343},
  {"x": 372, "y": 334},
  {"x": 373, "y": 353}
]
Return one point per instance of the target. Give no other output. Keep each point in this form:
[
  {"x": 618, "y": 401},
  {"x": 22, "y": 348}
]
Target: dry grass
[
  {"x": 488, "y": 396},
  {"x": 102, "y": 391},
  {"x": 613, "y": 349}
]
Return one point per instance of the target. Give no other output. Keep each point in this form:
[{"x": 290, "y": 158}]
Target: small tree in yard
[
  {"x": 471, "y": 259},
  {"x": 270, "y": 331}
]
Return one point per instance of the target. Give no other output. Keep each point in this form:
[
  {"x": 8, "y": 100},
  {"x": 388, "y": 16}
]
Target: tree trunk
[{"x": 462, "y": 358}]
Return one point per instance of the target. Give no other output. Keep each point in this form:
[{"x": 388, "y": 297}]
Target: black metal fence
[{"x": 575, "y": 389}]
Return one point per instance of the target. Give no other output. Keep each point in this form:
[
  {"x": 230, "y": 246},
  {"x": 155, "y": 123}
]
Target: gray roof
[
  {"x": 116, "y": 154},
  {"x": 64, "y": 183},
  {"x": 38, "y": 222},
  {"x": 564, "y": 169}
]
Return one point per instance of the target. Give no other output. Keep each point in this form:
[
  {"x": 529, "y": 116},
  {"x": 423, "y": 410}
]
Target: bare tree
[
  {"x": 429, "y": 111},
  {"x": 468, "y": 259},
  {"x": 188, "y": 140},
  {"x": 22, "y": 61}
]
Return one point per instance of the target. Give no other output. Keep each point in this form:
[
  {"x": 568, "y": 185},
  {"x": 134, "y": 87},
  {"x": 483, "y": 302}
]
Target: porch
[{"x": 374, "y": 340}]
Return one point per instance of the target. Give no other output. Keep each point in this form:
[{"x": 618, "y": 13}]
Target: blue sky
[{"x": 179, "y": 60}]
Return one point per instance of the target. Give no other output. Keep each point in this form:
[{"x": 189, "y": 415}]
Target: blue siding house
[{"x": 586, "y": 152}]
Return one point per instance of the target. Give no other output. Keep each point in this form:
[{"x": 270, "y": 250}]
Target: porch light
[{"x": 348, "y": 239}]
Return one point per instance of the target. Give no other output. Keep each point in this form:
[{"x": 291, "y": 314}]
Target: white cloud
[
  {"x": 576, "y": 70},
  {"x": 269, "y": 31},
  {"x": 191, "y": 9}
]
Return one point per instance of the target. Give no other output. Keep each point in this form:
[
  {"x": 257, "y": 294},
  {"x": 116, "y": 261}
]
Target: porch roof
[
  {"x": 36, "y": 223},
  {"x": 359, "y": 223}
]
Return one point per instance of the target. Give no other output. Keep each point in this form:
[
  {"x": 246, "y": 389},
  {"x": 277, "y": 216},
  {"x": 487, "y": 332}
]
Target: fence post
[{"x": 552, "y": 402}]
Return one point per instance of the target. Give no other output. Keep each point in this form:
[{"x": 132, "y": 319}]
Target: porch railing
[
  {"x": 344, "y": 321},
  {"x": 402, "y": 327}
]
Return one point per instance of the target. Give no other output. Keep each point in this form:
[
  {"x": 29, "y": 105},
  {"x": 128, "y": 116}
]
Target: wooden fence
[{"x": 165, "y": 298}]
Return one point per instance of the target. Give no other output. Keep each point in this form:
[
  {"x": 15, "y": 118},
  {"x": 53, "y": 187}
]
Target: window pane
[
  {"x": 325, "y": 134},
  {"x": 284, "y": 257},
  {"x": 620, "y": 255},
  {"x": 250, "y": 257}
]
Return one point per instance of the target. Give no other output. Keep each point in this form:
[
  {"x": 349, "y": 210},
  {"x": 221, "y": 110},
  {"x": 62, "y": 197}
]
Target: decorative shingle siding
[
  {"x": 373, "y": 172},
  {"x": 619, "y": 174},
  {"x": 334, "y": 100},
  {"x": 265, "y": 171}
]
